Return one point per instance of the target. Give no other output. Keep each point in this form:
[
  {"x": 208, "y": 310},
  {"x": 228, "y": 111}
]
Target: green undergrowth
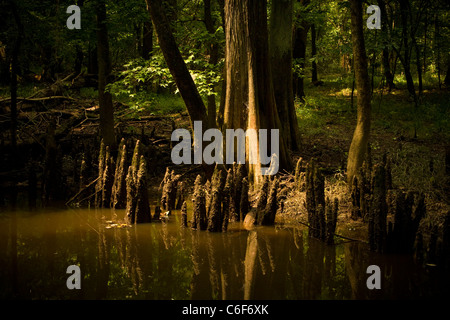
[{"x": 392, "y": 112}]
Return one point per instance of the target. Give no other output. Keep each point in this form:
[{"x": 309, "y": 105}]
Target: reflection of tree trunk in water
[
  {"x": 226, "y": 260},
  {"x": 165, "y": 236},
  {"x": 262, "y": 256},
  {"x": 274, "y": 253},
  {"x": 132, "y": 261},
  {"x": 82, "y": 252},
  {"x": 14, "y": 271},
  {"x": 355, "y": 272},
  {"x": 213, "y": 259},
  {"x": 250, "y": 264},
  {"x": 312, "y": 277},
  {"x": 144, "y": 257},
  {"x": 200, "y": 284},
  {"x": 164, "y": 274},
  {"x": 236, "y": 264},
  {"x": 50, "y": 244},
  {"x": 121, "y": 245},
  {"x": 102, "y": 265},
  {"x": 295, "y": 267},
  {"x": 330, "y": 268}
]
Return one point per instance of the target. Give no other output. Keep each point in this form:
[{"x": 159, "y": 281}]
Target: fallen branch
[
  {"x": 81, "y": 191},
  {"x": 39, "y": 99},
  {"x": 334, "y": 234}
]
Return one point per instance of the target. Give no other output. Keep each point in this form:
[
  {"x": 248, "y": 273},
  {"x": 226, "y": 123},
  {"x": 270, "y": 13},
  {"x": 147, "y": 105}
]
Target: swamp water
[{"x": 162, "y": 260}]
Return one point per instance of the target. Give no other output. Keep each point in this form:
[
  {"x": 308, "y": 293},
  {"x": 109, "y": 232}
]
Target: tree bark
[
  {"x": 175, "y": 62},
  {"x": 281, "y": 65},
  {"x": 358, "y": 147},
  {"x": 262, "y": 109},
  {"x": 104, "y": 70},
  {"x": 250, "y": 100},
  {"x": 236, "y": 92}
]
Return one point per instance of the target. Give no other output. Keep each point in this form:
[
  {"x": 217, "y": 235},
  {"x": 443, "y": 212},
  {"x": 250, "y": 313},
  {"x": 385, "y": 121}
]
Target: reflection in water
[{"x": 165, "y": 261}]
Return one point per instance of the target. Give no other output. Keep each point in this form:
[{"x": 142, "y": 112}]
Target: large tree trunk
[
  {"x": 262, "y": 109},
  {"x": 250, "y": 100},
  {"x": 175, "y": 62},
  {"x": 358, "y": 147},
  {"x": 104, "y": 70},
  {"x": 281, "y": 67},
  {"x": 236, "y": 69}
]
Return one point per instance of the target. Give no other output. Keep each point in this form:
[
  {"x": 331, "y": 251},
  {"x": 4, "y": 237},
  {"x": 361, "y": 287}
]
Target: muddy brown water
[{"x": 162, "y": 260}]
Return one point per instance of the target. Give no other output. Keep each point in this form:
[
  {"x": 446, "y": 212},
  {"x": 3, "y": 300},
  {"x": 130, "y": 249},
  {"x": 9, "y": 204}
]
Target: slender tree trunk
[
  {"x": 175, "y": 62},
  {"x": 281, "y": 67},
  {"x": 406, "y": 59},
  {"x": 425, "y": 44},
  {"x": 358, "y": 147},
  {"x": 213, "y": 59},
  {"x": 104, "y": 70},
  {"x": 299, "y": 53},
  {"x": 13, "y": 83},
  {"x": 372, "y": 64},
  {"x": 147, "y": 40},
  {"x": 313, "y": 53},
  {"x": 220, "y": 115},
  {"x": 437, "y": 47},
  {"x": 78, "y": 60},
  {"x": 138, "y": 37},
  {"x": 418, "y": 65},
  {"x": 447, "y": 75}
]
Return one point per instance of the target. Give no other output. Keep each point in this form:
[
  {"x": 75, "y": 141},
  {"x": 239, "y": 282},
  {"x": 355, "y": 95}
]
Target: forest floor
[{"x": 414, "y": 139}]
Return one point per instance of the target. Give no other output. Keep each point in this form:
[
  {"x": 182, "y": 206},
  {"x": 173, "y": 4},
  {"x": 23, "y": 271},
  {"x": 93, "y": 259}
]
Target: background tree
[
  {"x": 299, "y": 50},
  {"x": 358, "y": 147},
  {"x": 175, "y": 62},
  {"x": 104, "y": 71}
]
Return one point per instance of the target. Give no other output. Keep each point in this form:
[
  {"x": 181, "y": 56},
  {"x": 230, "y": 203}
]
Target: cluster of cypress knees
[
  {"x": 225, "y": 198},
  {"x": 394, "y": 216}
]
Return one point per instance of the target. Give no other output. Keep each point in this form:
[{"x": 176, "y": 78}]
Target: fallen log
[{"x": 39, "y": 99}]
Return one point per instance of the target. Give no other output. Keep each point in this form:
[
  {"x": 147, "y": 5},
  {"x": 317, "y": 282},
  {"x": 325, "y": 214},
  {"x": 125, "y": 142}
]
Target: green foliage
[{"x": 141, "y": 80}]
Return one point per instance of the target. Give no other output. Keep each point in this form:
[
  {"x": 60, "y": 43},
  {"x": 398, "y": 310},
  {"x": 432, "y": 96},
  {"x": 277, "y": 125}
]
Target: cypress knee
[
  {"x": 131, "y": 197},
  {"x": 119, "y": 189},
  {"x": 143, "y": 214},
  {"x": 271, "y": 208},
  {"x": 199, "y": 212},
  {"x": 244, "y": 205},
  {"x": 184, "y": 215},
  {"x": 215, "y": 217}
]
